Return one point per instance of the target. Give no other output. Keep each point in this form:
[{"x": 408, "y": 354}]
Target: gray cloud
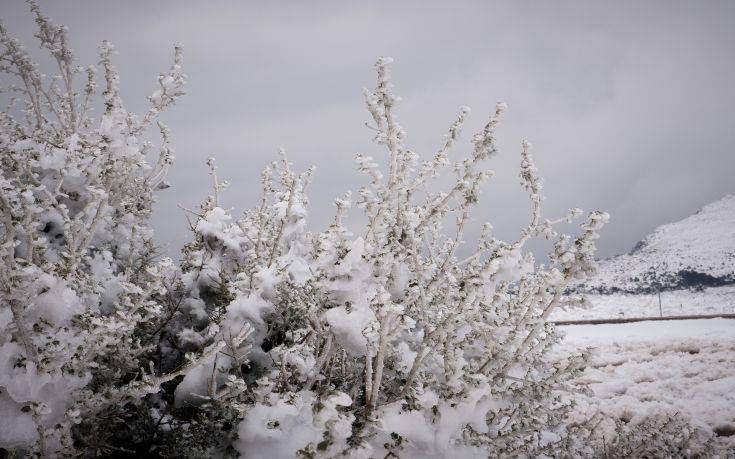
[{"x": 630, "y": 105}]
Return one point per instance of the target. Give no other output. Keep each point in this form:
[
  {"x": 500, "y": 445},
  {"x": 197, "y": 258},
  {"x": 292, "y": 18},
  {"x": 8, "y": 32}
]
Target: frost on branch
[
  {"x": 383, "y": 341},
  {"x": 82, "y": 290}
]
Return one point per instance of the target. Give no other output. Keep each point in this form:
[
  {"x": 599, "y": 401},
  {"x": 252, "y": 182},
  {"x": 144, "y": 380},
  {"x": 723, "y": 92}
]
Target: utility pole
[{"x": 660, "y": 310}]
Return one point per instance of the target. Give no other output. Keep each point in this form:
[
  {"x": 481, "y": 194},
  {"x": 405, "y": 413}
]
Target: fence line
[{"x": 641, "y": 319}]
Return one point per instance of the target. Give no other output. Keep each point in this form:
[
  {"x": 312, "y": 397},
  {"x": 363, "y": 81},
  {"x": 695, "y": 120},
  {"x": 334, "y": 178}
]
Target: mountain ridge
[{"x": 694, "y": 252}]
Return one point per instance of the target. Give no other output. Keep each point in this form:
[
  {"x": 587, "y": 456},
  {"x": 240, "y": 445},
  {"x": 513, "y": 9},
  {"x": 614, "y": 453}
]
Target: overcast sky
[{"x": 630, "y": 105}]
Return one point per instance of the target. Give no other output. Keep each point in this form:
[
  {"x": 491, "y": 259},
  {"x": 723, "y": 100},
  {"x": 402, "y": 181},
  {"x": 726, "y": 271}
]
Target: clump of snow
[
  {"x": 55, "y": 303},
  {"x": 348, "y": 326},
  {"x": 248, "y": 310},
  {"x": 195, "y": 384},
  {"x": 284, "y": 427},
  {"x": 216, "y": 224}
]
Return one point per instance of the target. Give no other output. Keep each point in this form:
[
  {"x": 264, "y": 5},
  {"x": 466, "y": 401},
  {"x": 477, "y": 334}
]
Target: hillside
[{"x": 698, "y": 251}]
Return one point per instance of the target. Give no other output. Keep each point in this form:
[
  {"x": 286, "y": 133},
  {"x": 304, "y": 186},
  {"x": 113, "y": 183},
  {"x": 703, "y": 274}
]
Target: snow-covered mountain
[{"x": 696, "y": 251}]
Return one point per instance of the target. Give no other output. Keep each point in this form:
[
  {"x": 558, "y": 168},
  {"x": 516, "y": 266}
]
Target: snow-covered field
[
  {"x": 683, "y": 366},
  {"x": 686, "y": 366},
  {"x": 718, "y": 300}
]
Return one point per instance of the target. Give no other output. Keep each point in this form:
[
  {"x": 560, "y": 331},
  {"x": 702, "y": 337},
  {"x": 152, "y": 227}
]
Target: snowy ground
[
  {"x": 720, "y": 300},
  {"x": 685, "y": 366}
]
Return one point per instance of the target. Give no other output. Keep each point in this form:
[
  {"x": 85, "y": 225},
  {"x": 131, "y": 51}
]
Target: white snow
[
  {"x": 716, "y": 300},
  {"x": 56, "y": 302},
  {"x": 684, "y": 366},
  {"x": 272, "y": 431},
  {"x": 348, "y": 327},
  {"x": 703, "y": 242}
]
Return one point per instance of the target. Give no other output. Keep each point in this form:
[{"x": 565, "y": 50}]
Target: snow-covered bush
[
  {"x": 384, "y": 341},
  {"x": 267, "y": 340},
  {"x": 81, "y": 285},
  {"x": 656, "y": 436}
]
